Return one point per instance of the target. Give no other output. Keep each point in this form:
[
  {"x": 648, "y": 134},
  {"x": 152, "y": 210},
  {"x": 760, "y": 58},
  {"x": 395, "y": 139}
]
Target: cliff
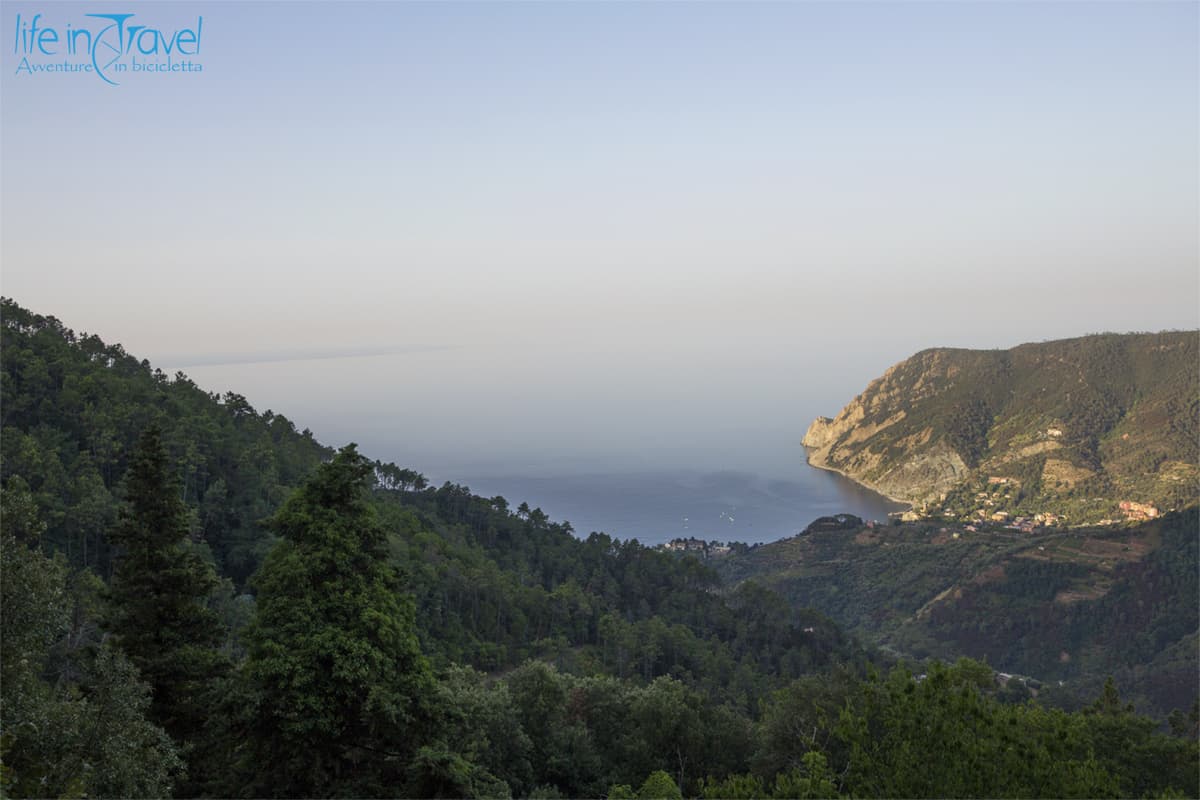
[{"x": 1072, "y": 428}]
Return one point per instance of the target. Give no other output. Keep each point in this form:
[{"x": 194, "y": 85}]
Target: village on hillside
[
  {"x": 700, "y": 547},
  {"x": 999, "y": 491}
]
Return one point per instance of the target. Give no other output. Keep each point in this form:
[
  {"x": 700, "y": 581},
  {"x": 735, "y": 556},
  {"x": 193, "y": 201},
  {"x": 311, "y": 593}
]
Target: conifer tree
[
  {"x": 333, "y": 663},
  {"x": 156, "y": 599}
]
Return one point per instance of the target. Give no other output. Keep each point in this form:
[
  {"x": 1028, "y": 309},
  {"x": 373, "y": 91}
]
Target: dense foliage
[
  {"x": 72, "y": 409},
  {"x": 1065, "y": 608},
  {"x": 198, "y": 599},
  {"x": 74, "y": 718}
]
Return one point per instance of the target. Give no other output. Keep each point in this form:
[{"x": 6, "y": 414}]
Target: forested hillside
[
  {"x": 1064, "y": 607},
  {"x": 1103, "y": 427},
  {"x": 200, "y": 600},
  {"x": 72, "y": 408}
]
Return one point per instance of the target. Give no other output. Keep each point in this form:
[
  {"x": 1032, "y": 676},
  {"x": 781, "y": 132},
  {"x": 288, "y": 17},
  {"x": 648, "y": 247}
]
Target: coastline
[{"x": 906, "y": 505}]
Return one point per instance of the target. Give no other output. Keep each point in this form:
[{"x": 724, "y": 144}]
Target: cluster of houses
[
  {"x": 1022, "y": 524},
  {"x": 989, "y": 498},
  {"x": 694, "y": 545},
  {"x": 1134, "y": 512},
  {"x": 1138, "y": 511}
]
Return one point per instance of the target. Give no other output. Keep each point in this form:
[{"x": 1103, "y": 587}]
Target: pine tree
[
  {"x": 156, "y": 599},
  {"x": 72, "y": 721},
  {"x": 333, "y": 661}
]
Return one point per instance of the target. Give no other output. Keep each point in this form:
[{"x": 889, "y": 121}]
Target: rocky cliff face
[
  {"x": 913, "y": 467},
  {"x": 1114, "y": 415}
]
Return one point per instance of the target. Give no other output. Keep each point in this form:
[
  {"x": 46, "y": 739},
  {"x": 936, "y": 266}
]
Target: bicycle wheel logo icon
[{"x": 106, "y": 54}]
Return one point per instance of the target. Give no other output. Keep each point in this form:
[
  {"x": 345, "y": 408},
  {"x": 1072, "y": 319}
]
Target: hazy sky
[{"x": 659, "y": 232}]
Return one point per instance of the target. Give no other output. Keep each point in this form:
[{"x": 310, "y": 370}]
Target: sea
[{"x": 655, "y": 507}]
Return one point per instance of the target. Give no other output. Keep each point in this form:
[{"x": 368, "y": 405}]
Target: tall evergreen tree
[
  {"x": 156, "y": 600},
  {"x": 72, "y": 724},
  {"x": 333, "y": 663}
]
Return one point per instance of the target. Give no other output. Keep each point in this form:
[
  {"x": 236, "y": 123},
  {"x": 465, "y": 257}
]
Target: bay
[{"x": 656, "y": 507}]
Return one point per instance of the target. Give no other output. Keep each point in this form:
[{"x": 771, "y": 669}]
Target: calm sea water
[
  {"x": 659, "y": 506},
  {"x": 650, "y": 449}
]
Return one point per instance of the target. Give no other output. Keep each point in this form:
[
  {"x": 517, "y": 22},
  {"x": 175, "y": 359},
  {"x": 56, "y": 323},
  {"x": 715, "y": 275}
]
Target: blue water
[{"x": 655, "y": 507}]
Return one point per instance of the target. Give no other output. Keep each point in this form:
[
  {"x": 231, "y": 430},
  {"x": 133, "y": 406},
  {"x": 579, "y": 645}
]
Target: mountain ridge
[{"x": 1073, "y": 428}]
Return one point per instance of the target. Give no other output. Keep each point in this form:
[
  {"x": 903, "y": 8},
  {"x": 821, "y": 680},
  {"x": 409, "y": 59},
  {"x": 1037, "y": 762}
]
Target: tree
[
  {"x": 1146, "y": 763},
  {"x": 477, "y": 722},
  {"x": 156, "y": 600},
  {"x": 800, "y": 719},
  {"x": 85, "y": 734},
  {"x": 333, "y": 666},
  {"x": 659, "y": 786},
  {"x": 813, "y": 781},
  {"x": 668, "y": 720},
  {"x": 539, "y": 697}
]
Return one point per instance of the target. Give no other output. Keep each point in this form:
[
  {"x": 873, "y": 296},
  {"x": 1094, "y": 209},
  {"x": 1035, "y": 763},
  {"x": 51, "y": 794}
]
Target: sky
[{"x": 550, "y": 235}]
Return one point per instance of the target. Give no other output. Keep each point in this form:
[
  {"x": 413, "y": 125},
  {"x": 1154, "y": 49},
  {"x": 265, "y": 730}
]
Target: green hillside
[
  {"x": 198, "y": 599},
  {"x": 495, "y": 582},
  {"x": 1071, "y": 605},
  {"x": 1070, "y": 429}
]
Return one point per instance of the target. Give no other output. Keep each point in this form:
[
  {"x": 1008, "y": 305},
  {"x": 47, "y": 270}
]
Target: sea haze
[{"x": 682, "y": 446}]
